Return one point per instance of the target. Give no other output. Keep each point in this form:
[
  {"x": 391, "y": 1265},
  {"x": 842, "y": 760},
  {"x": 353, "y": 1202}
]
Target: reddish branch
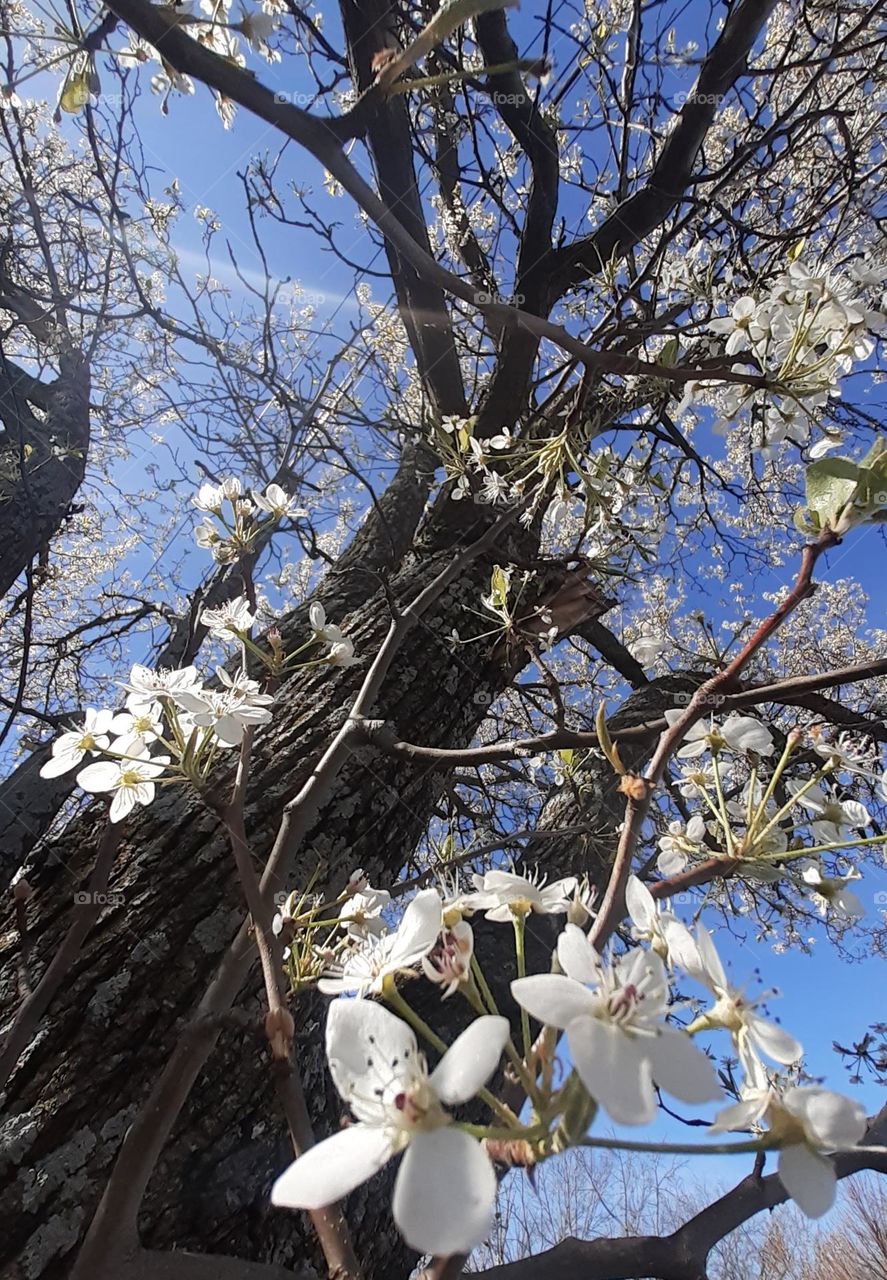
[{"x": 638, "y": 803}]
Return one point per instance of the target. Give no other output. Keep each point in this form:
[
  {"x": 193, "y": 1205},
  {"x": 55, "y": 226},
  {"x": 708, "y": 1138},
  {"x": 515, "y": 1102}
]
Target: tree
[{"x": 572, "y": 426}]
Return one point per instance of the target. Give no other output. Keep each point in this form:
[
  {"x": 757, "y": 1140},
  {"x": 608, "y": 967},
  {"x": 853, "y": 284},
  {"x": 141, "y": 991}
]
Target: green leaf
[
  {"x": 75, "y": 93},
  {"x": 871, "y": 490},
  {"x": 831, "y": 484},
  {"x": 876, "y": 453},
  {"x": 498, "y": 587},
  {"x": 77, "y": 86}
]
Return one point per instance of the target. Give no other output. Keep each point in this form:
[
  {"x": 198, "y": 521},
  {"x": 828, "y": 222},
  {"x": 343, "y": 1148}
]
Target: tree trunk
[{"x": 42, "y": 458}]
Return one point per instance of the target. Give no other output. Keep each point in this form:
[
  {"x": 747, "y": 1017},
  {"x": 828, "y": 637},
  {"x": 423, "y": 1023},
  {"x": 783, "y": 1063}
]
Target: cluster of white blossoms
[
  {"x": 504, "y": 468},
  {"x": 616, "y": 1013},
  {"x": 232, "y": 521},
  {"x": 804, "y": 333},
  {"x": 173, "y": 722},
  {"x": 171, "y": 709},
  {"x": 742, "y": 821}
]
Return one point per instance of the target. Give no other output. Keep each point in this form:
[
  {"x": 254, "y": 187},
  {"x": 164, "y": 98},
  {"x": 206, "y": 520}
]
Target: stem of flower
[
  {"x": 684, "y": 1148},
  {"x": 521, "y": 959},
  {"x": 723, "y": 806},
  {"x": 482, "y": 986}
]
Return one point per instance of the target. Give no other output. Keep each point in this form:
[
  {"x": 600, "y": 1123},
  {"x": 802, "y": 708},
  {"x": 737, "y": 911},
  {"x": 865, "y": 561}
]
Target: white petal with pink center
[{"x": 445, "y": 1189}]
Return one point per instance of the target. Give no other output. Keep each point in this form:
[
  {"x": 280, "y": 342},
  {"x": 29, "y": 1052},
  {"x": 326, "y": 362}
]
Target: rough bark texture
[{"x": 42, "y": 458}]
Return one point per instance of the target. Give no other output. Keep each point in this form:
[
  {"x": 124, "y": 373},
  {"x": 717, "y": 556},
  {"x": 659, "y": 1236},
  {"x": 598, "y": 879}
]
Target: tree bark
[{"x": 42, "y": 458}]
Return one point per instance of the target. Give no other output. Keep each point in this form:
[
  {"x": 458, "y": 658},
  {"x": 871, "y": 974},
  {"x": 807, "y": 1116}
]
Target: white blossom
[
  {"x": 618, "y": 1039},
  {"x": 647, "y": 649},
  {"x": 69, "y": 748},
  {"x": 696, "y": 779},
  {"x": 361, "y": 914},
  {"x": 738, "y": 733},
  {"x": 366, "y": 965},
  {"x": 228, "y": 712},
  {"x": 680, "y": 842},
  {"x": 210, "y": 497},
  {"x": 231, "y": 617},
  {"x": 275, "y": 501},
  {"x": 131, "y": 781},
  {"x": 140, "y": 724},
  {"x": 833, "y": 819},
  {"x": 341, "y": 653},
  {"x": 752, "y": 1034},
  {"x": 147, "y": 685},
  {"x": 323, "y": 631},
  {"x": 831, "y": 892},
  {"x": 446, "y": 1186},
  {"x": 807, "y": 1121},
  {"x": 503, "y": 895},
  {"x": 667, "y": 936},
  {"x": 448, "y": 964}
]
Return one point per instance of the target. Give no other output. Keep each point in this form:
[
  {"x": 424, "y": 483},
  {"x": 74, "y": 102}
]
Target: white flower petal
[
  {"x": 696, "y": 828},
  {"x": 576, "y": 955},
  {"x": 681, "y": 1069},
  {"x": 333, "y": 1168},
  {"x": 745, "y": 733},
  {"x": 60, "y": 763},
  {"x": 808, "y": 1178},
  {"x": 101, "y": 776},
  {"x": 640, "y": 904},
  {"x": 369, "y": 1049},
  {"x": 470, "y": 1060},
  {"x": 830, "y": 1119},
  {"x": 418, "y": 930},
  {"x": 614, "y": 1070},
  {"x": 740, "y": 1115},
  {"x": 712, "y": 972},
  {"x": 770, "y": 1039},
  {"x": 856, "y": 815},
  {"x": 444, "y": 1193},
  {"x": 671, "y": 862},
  {"x": 553, "y": 998},
  {"x": 123, "y": 803},
  {"x": 682, "y": 950}
]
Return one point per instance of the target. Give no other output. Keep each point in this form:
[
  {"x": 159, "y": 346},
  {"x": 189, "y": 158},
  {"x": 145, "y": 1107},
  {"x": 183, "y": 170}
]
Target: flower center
[
  {"x": 419, "y": 1107},
  {"x": 86, "y": 743},
  {"x": 622, "y": 1004}
]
